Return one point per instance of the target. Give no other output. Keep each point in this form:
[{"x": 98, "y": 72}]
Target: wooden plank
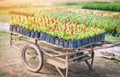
[
  {"x": 70, "y": 53},
  {"x": 56, "y": 63},
  {"x": 56, "y": 46},
  {"x": 107, "y": 57},
  {"x": 81, "y": 56},
  {"x": 52, "y": 56},
  {"x": 60, "y": 71},
  {"x": 50, "y": 49}
]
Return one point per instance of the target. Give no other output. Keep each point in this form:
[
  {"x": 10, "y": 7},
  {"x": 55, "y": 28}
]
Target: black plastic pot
[
  {"x": 72, "y": 44},
  {"x": 56, "y": 41},
  {"x": 28, "y": 33},
  {"x": 102, "y": 36},
  {"x": 47, "y": 38},
  {"x": 86, "y": 41},
  {"x": 78, "y": 42},
  {"x": 66, "y": 44},
  {"x": 52, "y": 40},
  {"x": 61, "y": 42},
  {"x": 36, "y": 34},
  {"x": 24, "y": 31},
  {"x": 92, "y": 39},
  {"x": 82, "y": 42},
  {"x": 32, "y": 34},
  {"x": 89, "y": 40},
  {"x": 97, "y": 37},
  {"x": 18, "y": 29},
  {"x": 14, "y": 28},
  {"x": 11, "y": 27},
  {"x": 117, "y": 35},
  {"x": 21, "y": 30},
  {"x": 44, "y": 36},
  {"x": 114, "y": 34},
  {"x": 41, "y": 35}
]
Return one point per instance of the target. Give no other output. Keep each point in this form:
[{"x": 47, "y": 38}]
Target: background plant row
[
  {"x": 107, "y": 6},
  {"x": 103, "y": 6}
]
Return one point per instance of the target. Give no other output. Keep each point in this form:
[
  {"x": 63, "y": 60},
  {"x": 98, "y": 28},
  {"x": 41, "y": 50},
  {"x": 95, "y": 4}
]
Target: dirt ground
[{"x": 11, "y": 65}]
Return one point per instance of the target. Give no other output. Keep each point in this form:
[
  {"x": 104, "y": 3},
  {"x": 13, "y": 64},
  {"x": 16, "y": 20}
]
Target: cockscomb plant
[{"x": 66, "y": 30}]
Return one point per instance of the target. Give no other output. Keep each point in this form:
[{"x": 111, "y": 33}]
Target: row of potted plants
[
  {"x": 56, "y": 27},
  {"x": 114, "y": 34},
  {"x": 76, "y": 43},
  {"x": 66, "y": 34}
]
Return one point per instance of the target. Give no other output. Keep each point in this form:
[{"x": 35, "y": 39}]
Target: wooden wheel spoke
[{"x": 32, "y": 57}]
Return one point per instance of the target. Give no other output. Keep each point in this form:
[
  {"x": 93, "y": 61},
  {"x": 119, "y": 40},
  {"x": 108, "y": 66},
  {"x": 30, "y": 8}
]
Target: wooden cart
[{"x": 36, "y": 52}]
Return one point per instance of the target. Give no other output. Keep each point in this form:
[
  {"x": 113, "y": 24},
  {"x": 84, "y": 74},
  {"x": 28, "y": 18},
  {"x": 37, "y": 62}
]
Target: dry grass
[{"x": 12, "y": 66}]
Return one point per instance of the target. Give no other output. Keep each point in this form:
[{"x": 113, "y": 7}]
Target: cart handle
[
  {"x": 115, "y": 45},
  {"x": 107, "y": 47}
]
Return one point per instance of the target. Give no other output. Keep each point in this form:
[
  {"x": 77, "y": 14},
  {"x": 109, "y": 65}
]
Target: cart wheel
[{"x": 32, "y": 57}]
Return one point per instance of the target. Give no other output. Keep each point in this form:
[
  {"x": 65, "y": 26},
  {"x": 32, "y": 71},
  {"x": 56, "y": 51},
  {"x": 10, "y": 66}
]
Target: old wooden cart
[{"x": 36, "y": 52}]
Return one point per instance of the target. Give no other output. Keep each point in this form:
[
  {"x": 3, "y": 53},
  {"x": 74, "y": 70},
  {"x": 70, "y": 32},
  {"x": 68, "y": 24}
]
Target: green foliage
[
  {"x": 2, "y": 73},
  {"x": 118, "y": 29},
  {"x": 107, "y": 23},
  {"x": 112, "y": 38},
  {"x": 103, "y": 6},
  {"x": 115, "y": 61}
]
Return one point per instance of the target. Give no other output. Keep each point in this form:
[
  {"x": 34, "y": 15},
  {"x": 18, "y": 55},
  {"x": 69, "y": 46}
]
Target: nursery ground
[{"x": 11, "y": 65}]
